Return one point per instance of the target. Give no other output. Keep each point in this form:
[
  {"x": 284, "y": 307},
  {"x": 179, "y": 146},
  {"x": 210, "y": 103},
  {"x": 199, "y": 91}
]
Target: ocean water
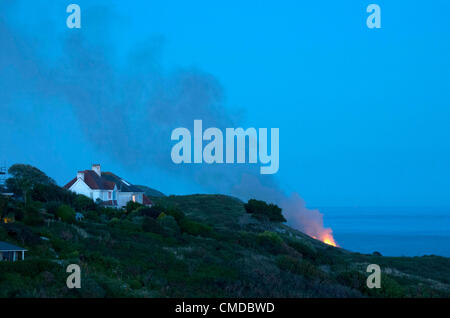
[{"x": 391, "y": 231}]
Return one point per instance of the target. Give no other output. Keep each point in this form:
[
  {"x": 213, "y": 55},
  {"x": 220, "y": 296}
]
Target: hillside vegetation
[{"x": 188, "y": 246}]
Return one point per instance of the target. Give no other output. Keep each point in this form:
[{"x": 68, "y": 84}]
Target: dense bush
[
  {"x": 169, "y": 223},
  {"x": 3, "y": 232},
  {"x": 195, "y": 228},
  {"x": 32, "y": 215},
  {"x": 83, "y": 203},
  {"x": 124, "y": 225},
  {"x": 3, "y": 205},
  {"x": 91, "y": 289},
  {"x": 152, "y": 212},
  {"x": 307, "y": 250},
  {"x": 52, "y": 207},
  {"x": 132, "y": 206},
  {"x": 21, "y": 233},
  {"x": 299, "y": 267},
  {"x": 357, "y": 280},
  {"x": 176, "y": 213},
  {"x": 30, "y": 268},
  {"x": 11, "y": 208},
  {"x": 151, "y": 225},
  {"x": 389, "y": 288},
  {"x": 263, "y": 210},
  {"x": 247, "y": 239},
  {"x": 271, "y": 242},
  {"x": 93, "y": 216},
  {"x": 66, "y": 213},
  {"x": 29, "y": 278},
  {"x": 51, "y": 192}
]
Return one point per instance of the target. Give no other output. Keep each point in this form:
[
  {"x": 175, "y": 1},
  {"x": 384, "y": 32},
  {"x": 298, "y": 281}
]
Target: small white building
[
  {"x": 110, "y": 189},
  {"x": 12, "y": 253}
]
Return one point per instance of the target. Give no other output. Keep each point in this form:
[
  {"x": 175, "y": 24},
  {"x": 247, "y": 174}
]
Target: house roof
[
  {"x": 94, "y": 181},
  {"x": 122, "y": 185},
  {"x": 6, "y": 247}
]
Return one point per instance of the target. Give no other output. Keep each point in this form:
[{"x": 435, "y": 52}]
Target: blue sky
[{"x": 364, "y": 115}]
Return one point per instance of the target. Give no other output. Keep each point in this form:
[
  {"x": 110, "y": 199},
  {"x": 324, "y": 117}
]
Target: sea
[{"x": 391, "y": 231}]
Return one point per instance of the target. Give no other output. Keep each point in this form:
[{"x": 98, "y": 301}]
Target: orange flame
[{"x": 327, "y": 238}]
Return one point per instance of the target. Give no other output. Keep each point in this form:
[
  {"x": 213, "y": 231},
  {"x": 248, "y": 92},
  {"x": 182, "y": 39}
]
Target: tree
[
  {"x": 262, "y": 209},
  {"x": 24, "y": 178},
  {"x": 51, "y": 192}
]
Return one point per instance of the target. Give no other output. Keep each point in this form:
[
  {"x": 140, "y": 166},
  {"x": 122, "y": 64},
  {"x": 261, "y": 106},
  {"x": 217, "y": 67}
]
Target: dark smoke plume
[{"x": 129, "y": 111}]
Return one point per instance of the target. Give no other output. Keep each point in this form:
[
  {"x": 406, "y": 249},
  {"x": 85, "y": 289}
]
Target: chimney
[
  {"x": 80, "y": 175},
  {"x": 96, "y": 168}
]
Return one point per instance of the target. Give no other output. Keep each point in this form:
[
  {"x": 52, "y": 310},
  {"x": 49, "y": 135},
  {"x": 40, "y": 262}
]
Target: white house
[{"x": 110, "y": 189}]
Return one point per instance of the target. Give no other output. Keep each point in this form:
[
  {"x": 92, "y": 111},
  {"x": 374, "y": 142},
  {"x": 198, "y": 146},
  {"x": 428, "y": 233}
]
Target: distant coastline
[{"x": 392, "y": 231}]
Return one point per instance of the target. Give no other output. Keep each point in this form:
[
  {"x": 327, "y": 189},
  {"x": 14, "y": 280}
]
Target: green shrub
[
  {"x": 33, "y": 220},
  {"x": 32, "y": 215},
  {"x": 51, "y": 192},
  {"x": 151, "y": 225},
  {"x": 135, "y": 284},
  {"x": 152, "y": 212},
  {"x": 30, "y": 268},
  {"x": 106, "y": 213},
  {"x": 90, "y": 288},
  {"x": 271, "y": 242},
  {"x": 113, "y": 221},
  {"x": 52, "y": 207},
  {"x": 389, "y": 288},
  {"x": 83, "y": 203},
  {"x": 66, "y": 213},
  {"x": 131, "y": 206},
  {"x": 4, "y": 202},
  {"x": 327, "y": 257},
  {"x": 169, "y": 224},
  {"x": 176, "y": 213},
  {"x": 12, "y": 284},
  {"x": 3, "y": 233},
  {"x": 113, "y": 288},
  {"x": 65, "y": 248},
  {"x": 195, "y": 228},
  {"x": 261, "y": 209},
  {"x": 353, "y": 279},
  {"x": 162, "y": 215},
  {"x": 307, "y": 250},
  {"x": 124, "y": 225},
  {"x": 299, "y": 267},
  {"x": 247, "y": 239},
  {"x": 357, "y": 280},
  {"x": 22, "y": 234},
  {"x": 93, "y": 215}
]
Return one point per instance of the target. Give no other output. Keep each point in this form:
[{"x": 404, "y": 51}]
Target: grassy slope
[{"x": 240, "y": 257}]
